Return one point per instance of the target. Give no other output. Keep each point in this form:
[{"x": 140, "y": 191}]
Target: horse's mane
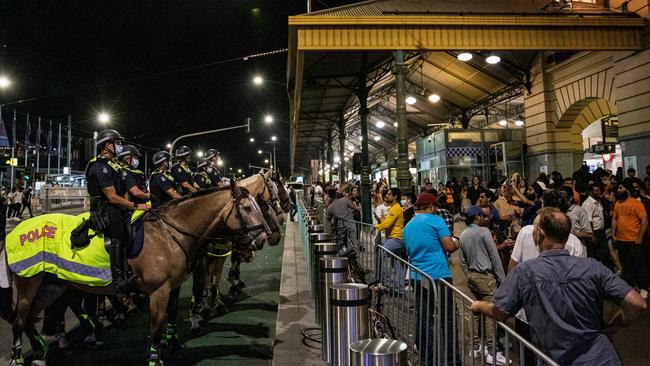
[{"x": 204, "y": 192}]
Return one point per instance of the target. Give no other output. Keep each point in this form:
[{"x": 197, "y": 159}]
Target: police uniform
[
  {"x": 182, "y": 174},
  {"x": 203, "y": 180},
  {"x": 135, "y": 178},
  {"x": 215, "y": 176},
  {"x": 159, "y": 183},
  {"x": 104, "y": 173}
]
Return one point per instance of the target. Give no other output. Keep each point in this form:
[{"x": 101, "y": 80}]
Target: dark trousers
[
  {"x": 523, "y": 329},
  {"x": 597, "y": 249},
  {"x": 27, "y": 205},
  {"x": 425, "y": 303},
  {"x": 635, "y": 268},
  {"x": 292, "y": 212},
  {"x": 3, "y": 222}
]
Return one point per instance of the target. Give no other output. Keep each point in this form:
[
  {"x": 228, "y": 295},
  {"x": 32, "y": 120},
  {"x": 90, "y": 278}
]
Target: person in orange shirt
[{"x": 629, "y": 223}]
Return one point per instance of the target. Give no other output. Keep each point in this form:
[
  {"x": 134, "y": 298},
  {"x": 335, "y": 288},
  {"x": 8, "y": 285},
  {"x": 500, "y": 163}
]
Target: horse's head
[
  {"x": 275, "y": 201},
  {"x": 283, "y": 194},
  {"x": 271, "y": 219},
  {"x": 249, "y": 220}
]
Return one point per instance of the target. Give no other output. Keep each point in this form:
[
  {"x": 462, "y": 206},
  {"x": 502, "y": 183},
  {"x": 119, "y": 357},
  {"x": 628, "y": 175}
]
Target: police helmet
[
  {"x": 183, "y": 152},
  {"x": 108, "y": 135},
  {"x": 128, "y": 150},
  {"x": 202, "y": 162},
  {"x": 161, "y": 156},
  {"x": 211, "y": 153}
]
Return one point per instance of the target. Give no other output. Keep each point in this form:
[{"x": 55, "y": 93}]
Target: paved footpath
[{"x": 244, "y": 336}]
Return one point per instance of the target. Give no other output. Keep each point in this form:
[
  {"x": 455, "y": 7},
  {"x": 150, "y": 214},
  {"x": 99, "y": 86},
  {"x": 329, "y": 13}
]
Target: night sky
[{"x": 82, "y": 57}]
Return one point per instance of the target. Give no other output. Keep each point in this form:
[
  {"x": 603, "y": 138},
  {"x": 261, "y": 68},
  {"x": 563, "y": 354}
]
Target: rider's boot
[{"x": 120, "y": 282}]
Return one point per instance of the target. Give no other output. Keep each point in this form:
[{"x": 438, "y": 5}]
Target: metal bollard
[
  {"x": 349, "y": 305},
  {"x": 314, "y": 238},
  {"x": 378, "y": 352},
  {"x": 316, "y": 228},
  {"x": 332, "y": 270},
  {"x": 319, "y": 250},
  {"x": 313, "y": 222}
]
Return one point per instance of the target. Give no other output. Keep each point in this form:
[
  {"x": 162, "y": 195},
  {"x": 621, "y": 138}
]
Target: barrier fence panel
[{"x": 432, "y": 317}]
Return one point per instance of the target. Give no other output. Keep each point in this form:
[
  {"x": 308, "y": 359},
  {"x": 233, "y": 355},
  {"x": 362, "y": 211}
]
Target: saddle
[{"x": 80, "y": 237}]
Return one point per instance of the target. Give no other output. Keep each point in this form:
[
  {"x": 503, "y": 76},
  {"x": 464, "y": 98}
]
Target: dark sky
[{"x": 80, "y": 57}]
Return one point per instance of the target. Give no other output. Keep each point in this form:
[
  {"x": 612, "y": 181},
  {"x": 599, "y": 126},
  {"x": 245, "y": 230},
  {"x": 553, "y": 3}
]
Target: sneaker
[
  {"x": 476, "y": 352},
  {"x": 644, "y": 293},
  {"x": 501, "y": 359}
]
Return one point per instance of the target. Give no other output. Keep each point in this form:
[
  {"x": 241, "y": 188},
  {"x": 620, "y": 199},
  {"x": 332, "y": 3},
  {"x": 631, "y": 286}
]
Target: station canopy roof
[{"x": 472, "y": 93}]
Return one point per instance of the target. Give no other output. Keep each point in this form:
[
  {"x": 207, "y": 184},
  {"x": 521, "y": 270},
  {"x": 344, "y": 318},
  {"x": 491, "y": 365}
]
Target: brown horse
[
  {"x": 173, "y": 235},
  {"x": 210, "y": 302}
]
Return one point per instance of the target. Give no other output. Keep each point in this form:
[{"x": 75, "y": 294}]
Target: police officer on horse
[
  {"x": 202, "y": 177},
  {"x": 214, "y": 159},
  {"x": 109, "y": 210},
  {"x": 134, "y": 178},
  {"x": 181, "y": 170},
  {"x": 162, "y": 184}
]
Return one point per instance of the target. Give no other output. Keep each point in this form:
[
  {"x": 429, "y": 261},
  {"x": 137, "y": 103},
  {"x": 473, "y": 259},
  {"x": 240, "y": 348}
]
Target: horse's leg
[
  {"x": 233, "y": 273},
  {"x": 217, "y": 273},
  {"x": 158, "y": 301},
  {"x": 26, "y": 290},
  {"x": 197, "y": 296},
  {"x": 171, "y": 337}
]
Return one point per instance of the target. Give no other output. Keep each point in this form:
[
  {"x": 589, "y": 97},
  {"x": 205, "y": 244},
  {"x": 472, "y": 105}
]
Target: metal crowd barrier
[{"x": 434, "y": 318}]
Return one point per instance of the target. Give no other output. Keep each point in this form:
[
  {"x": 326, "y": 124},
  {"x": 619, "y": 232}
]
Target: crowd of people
[{"x": 547, "y": 251}]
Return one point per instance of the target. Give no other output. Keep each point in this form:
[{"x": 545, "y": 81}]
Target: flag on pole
[
  {"x": 28, "y": 131},
  {"x": 4, "y": 139},
  {"x": 37, "y": 143}
]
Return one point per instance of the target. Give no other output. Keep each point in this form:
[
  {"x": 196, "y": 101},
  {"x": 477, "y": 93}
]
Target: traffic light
[{"x": 356, "y": 163}]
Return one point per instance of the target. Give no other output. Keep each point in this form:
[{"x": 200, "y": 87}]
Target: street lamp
[
  {"x": 258, "y": 80},
  {"x": 239, "y": 171},
  {"x": 103, "y": 117},
  {"x": 268, "y": 119},
  {"x": 199, "y": 154},
  {"x": 252, "y": 139},
  {"x": 273, "y": 138},
  {"x": 169, "y": 145},
  {"x": 4, "y": 82}
]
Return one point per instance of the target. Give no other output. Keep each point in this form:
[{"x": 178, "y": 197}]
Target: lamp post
[{"x": 247, "y": 125}]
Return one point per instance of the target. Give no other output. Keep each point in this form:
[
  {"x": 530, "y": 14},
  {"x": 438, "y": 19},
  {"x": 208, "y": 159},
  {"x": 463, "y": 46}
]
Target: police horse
[{"x": 173, "y": 235}]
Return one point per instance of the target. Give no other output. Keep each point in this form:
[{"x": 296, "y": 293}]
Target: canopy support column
[
  {"x": 404, "y": 179},
  {"x": 341, "y": 148},
  {"x": 330, "y": 155},
  {"x": 362, "y": 94}
]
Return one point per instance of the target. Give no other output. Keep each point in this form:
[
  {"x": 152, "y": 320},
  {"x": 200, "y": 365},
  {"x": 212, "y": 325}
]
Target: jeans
[
  {"x": 425, "y": 303},
  {"x": 292, "y": 213},
  {"x": 635, "y": 268},
  {"x": 398, "y": 273}
]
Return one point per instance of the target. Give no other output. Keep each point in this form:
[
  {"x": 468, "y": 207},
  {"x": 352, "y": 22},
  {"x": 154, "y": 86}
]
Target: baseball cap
[
  {"x": 426, "y": 199},
  {"x": 472, "y": 211}
]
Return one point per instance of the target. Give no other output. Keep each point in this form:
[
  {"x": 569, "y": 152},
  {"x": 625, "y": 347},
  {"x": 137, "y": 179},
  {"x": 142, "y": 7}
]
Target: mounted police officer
[
  {"x": 202, "y": 177},
  {"x": 109, "y": 210},
  {"x": 134, "y": 178},
  {"x": 214, "y": 157},
  {"x": 181, "y": 170},
  {"x": 162, "y": 185}
]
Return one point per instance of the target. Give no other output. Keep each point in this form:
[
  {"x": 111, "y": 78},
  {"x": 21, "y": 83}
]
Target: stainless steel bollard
[
  {"x": 378, "y": 352},
  {"x": 332, "y": 270},
  {"x": 316, "y": 228},
  {"x": 319, "y": 250},
  {"x": 314, "y": 238},
  {"x": 349, "y": 304},
  {"x": 313, "y": 222}
]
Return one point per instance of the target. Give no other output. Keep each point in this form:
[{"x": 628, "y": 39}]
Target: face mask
[
  {"x": 118, "y": 148},
  {"x": 134, "y": 163},
  {"x": 621, "y": 196},
  {"x": 209, "y": 169},
  {"x": 402, "y": 202}
]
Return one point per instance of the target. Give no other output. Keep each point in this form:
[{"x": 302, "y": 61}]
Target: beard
[{"x": 621, "y": 196}]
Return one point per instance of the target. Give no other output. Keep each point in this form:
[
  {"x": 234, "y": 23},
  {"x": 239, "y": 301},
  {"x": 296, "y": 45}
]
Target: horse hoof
[
  {"x": 195, "y": 328},
  {"x": 221, "y": 308},
  {"x": 14, "y": 362},
  {"x": 39, "y": 363}
]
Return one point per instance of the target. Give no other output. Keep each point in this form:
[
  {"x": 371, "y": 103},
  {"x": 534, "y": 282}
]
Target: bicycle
[
  {"x": 379, "y": 324},
  {"x": 349, "y": 250}
]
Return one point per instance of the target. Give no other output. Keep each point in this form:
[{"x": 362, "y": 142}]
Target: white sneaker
[
  {"x": 501, "y": 359},
  {"x": 476, "y": 352},
  {"x": 644, "y": 294}
]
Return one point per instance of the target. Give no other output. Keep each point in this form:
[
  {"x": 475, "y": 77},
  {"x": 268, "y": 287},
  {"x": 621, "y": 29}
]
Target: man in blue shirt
[
  {"x": 563, "y": 297},
  {"x": 426, "y": 240}
]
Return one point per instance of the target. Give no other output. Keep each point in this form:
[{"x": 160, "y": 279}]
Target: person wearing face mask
[
  {"x": 109, "y": 210},
  {"x": 629, "y": 224},
  {"x": 181, "y": 170},
  {"x": 162, "y": 185},
  {"x": 134, "y": 178},
  {"x": 201, "y": 177},
  {"x": 214, "y": 160},
  {"x": 553, "y": 283}
]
